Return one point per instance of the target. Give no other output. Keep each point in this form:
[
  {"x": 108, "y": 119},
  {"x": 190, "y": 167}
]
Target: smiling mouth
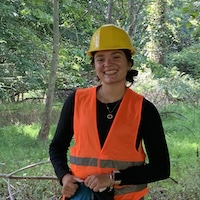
[{"x": 110, "y": 72}]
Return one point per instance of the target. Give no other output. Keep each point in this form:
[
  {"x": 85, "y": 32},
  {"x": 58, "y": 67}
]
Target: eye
[
  {"x": 100, "y": 59},
  {"x": 116, "y": 56}
]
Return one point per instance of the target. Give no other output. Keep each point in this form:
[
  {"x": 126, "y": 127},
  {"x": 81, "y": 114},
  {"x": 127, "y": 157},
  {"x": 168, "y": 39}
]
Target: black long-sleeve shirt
[{"x": 150, "y": 131}]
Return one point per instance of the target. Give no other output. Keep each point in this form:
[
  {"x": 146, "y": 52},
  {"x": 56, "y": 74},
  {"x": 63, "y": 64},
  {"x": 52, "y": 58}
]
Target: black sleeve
[
  {"x": 158, "y": 166},
  {"x": 62, "y": 138}
]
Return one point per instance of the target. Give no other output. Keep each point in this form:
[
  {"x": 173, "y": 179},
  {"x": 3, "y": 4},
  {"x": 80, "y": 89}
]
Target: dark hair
[{"x": 131, "y": 73}]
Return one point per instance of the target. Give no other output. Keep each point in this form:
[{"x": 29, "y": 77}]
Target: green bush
[
  {"x": 25, "y": 113},
  {"x": 186, "y": 61},
  {"x": 163, "y": 86}
]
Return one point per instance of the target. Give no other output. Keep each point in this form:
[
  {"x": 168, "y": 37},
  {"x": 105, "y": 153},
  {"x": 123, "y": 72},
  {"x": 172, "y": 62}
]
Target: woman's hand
[
  {"x": 69, "y": 185},
  {"x": 98, "y": 181}
]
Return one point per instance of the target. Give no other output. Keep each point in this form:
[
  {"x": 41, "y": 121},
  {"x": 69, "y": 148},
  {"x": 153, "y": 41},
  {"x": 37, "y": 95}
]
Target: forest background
[{"x": 43, "y": 48}]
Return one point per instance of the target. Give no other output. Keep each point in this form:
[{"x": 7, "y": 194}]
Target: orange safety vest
[{"x": 118, "y": 152}]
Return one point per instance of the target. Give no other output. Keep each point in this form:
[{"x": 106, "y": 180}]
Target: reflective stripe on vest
[
  {"x": 129, "y": 188},
  {"x": 93, "y": 162},
  {"x": 103, "y": 163}
]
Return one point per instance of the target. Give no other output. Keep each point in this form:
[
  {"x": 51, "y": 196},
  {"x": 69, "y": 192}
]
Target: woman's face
[{"x": 111, "y": 66}]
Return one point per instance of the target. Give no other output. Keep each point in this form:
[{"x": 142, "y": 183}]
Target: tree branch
[
  {"x": 29, "y": 177},
  {"x": 10, "y": 176}
]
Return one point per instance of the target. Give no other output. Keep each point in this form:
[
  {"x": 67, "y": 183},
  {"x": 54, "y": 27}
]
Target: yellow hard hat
[{"x": 110, "y": 37}]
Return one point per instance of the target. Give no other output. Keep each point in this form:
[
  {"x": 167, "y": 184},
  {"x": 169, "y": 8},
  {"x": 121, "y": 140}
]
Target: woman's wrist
[
  {"x": 115, "y": 177},
  {"x": 112, "y": 181}
]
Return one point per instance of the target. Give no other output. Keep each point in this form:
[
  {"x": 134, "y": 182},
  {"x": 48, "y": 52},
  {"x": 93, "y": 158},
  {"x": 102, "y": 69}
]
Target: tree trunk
[
  {"x": 131, "y": 17},
  {"x": 156, "y": 30},
  {"x": 46, "y": 121},
  {"x": 109, "y": 18}
]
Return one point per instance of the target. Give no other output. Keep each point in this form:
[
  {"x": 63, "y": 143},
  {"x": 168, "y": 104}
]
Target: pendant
[{"x": 109, "y": 116}]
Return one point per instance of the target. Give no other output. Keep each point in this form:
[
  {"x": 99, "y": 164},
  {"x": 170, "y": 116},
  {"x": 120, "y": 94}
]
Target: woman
[{"x": 111, "y": 126}]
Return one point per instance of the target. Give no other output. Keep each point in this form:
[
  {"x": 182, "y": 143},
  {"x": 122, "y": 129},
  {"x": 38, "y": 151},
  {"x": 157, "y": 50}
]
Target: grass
[
  {"x": 183, "y": 137},
  {"x": 19, "y": 147}
]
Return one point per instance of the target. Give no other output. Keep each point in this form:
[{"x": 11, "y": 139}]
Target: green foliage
[
  {"x": 162, "y": 85},
  {"x": 26, "y": 38},
  {"x": 74, "y": 70},
  {"x": 182, "y": 132},
  {"x": 23, "y": 54},
  {"x": 187, "y": 60},
  {"x": 182, "y": 118},
  {"x": 179, "y": 87},
  {"x": 192, "y": 8},
  {"x": 19, "y": 148},
  {"x": 25, "y": 113},
  {"x": 180, "y": 35}
]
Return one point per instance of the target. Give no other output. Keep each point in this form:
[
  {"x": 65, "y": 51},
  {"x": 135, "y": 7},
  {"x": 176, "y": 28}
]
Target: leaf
[{"x": 188, "y": 25}]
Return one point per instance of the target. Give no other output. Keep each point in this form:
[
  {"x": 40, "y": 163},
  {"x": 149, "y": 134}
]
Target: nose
[{"x": 107, "y": 62}]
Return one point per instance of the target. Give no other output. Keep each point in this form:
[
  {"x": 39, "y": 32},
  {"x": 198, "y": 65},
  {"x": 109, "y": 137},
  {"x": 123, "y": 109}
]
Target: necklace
[{"x": 110, "y": 115}]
